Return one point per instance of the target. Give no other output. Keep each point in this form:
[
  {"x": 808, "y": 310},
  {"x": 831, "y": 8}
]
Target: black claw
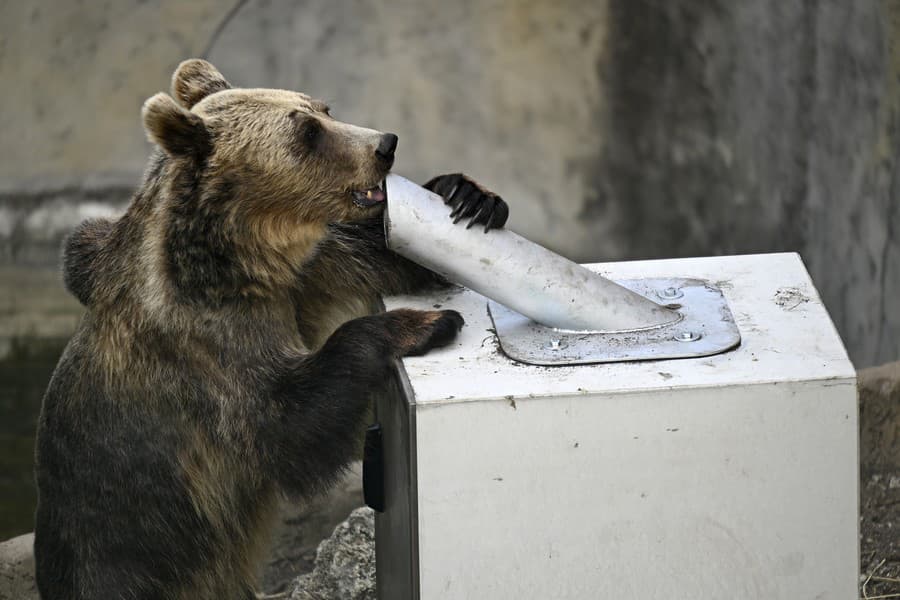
[
  {"x": 448, "y": 198},
  {"x": 459, "y": 198},
  {"x": 484, "y": 212},
  {"x": 470, "y": 203},
  {"x": 499, "y": 215}
]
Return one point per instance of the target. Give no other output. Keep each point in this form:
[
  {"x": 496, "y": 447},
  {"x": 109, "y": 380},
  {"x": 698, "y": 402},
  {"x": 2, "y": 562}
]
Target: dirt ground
[
  {"x": 880, "y": 536},
  {"x": 879, "y": 523}
]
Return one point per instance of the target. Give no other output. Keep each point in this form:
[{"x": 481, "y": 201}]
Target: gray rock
[
  {"x": 345, "y": 563},
  {"x": 302, "y": 528},
  {"x": 17, "y": 569}
]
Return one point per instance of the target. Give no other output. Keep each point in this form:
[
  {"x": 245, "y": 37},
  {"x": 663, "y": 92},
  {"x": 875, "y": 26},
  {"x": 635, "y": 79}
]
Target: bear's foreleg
[{"x": 321, "y": 401}]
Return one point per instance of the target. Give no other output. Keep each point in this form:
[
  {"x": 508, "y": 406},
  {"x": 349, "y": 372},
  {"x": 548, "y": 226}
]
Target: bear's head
[
  {"x": 258, "y": 174},
  {"x": 281, "y": 148},
  {"x": 245, "y": 186}
]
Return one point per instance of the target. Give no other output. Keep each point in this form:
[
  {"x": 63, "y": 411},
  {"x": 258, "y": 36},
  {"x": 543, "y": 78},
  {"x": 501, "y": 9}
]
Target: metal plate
[{"x": 706, "y": 327}]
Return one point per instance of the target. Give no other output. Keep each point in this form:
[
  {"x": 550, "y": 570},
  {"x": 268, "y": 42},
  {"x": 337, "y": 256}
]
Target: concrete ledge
[{"x": 33, "y": 224}]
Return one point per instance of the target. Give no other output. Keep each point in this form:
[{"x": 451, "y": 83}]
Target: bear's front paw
[
  {"x": 470, "y": 201},
  {"x": 440, "y": 329},
  {"x": 417, "y": 331}
]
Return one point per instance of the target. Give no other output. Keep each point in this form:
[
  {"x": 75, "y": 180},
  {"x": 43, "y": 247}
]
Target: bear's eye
[{"x": 308, "y": 132}]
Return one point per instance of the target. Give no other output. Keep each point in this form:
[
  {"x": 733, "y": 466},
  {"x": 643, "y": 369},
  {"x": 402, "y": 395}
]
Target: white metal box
[{"x": 730, "y": 476}]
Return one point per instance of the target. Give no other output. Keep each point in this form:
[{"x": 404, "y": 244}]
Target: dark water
[{"x": 24, "y": 374}]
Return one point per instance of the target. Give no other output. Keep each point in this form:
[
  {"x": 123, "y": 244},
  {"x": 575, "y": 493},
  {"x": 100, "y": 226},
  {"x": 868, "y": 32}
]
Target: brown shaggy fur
[{"x": 231, "y": 345}]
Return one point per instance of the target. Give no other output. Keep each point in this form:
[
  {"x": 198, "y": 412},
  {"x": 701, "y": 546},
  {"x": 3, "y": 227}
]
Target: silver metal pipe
[{"x": 510, "y": 269}]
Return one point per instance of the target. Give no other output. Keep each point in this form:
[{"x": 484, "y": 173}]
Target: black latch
[{"x": 373, "y": 468}]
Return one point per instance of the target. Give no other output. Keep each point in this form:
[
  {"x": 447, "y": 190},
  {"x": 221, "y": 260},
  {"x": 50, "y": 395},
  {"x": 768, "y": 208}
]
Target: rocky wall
[{"x": 617, "y": 129}]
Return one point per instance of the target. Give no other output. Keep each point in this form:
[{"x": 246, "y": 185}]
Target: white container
[{"x": 730, "y": 476}]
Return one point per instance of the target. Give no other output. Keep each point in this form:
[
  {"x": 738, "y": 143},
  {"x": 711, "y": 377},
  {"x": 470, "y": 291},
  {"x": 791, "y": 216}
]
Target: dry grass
[{"x": 880, "y": 537}]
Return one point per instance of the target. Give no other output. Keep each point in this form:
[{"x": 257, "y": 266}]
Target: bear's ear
[
  {"x": 81, "y": 261},
  {"x": 177, "y": 131},
  {"x": 194, "y": 80}
]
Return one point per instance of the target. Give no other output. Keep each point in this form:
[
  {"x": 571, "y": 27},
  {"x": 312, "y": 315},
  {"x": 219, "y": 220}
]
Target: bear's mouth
[{"x": 370, "y": 197}]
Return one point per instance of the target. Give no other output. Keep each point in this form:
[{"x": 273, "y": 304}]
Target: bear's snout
[{"x": 387, "y": 146}]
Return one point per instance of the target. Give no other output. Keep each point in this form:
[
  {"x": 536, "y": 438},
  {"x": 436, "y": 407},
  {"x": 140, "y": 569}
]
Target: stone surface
[
  {"x": 33, "y": 224},
  {"x": 760, "y": 126},
  {"x": 35, "y": 306},
  {"x": 616, "y": 129},
  {"x": 76, "y": 75},
  {"x": 17, "y": 569},
  {"x": 879, "y": 413},
  {"x": 345, "y": 563},
  {"x": 303, "y": 527}
]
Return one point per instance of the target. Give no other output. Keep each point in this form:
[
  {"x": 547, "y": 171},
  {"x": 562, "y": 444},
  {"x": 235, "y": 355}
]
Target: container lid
[{"x": 786, "y": 335}]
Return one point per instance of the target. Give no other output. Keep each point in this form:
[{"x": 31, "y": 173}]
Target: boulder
[
  {"x": 17, "y": 569},
  {"x": 345, "y": 563},
  {"x": 302, "y": 528}
]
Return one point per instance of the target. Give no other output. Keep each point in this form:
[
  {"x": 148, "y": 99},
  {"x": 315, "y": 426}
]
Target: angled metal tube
[{"x": 510, "y": 269}]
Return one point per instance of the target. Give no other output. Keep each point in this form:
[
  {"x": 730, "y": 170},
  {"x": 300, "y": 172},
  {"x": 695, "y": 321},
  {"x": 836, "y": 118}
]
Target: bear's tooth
[{"x": 369, "y": 195}]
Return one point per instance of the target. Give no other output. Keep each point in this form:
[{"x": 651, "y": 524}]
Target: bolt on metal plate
[
  {"x": 670, "y": 293},
  {"x": 687, "y": 336},
  {"x": 706, "y": 327},
  {"x": 556, "y": 344}
]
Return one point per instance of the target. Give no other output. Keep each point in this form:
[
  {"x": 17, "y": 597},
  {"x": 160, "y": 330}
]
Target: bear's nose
[{"x": 387, "y": 146}]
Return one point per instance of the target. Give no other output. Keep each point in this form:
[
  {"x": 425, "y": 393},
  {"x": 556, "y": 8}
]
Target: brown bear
[{"x": 231, "y": 343}]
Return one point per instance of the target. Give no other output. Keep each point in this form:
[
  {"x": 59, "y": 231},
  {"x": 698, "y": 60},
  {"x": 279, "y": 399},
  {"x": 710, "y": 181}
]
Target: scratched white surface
[
  {"x": 733, "y": 476},
  {"x": 785, "y": 330}
]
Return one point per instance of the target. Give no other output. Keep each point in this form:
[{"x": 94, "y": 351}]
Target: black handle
[{"x": 373, "y": 468}]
